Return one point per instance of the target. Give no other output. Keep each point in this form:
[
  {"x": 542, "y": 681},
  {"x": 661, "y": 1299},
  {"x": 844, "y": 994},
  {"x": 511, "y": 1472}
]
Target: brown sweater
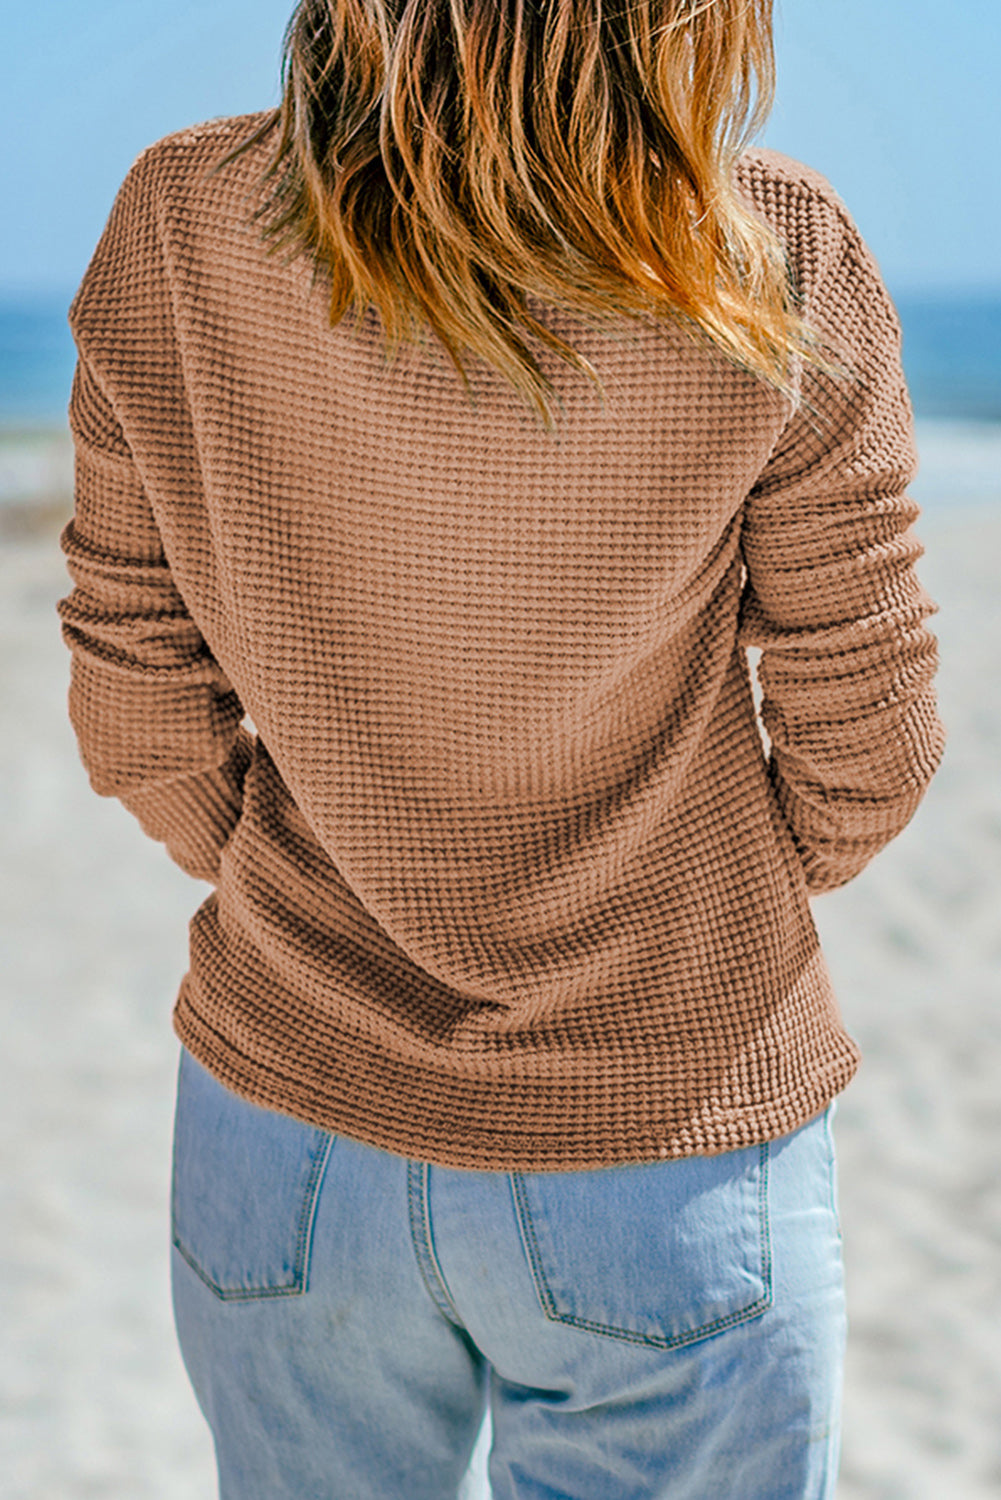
[{"x": 506, "y": 876}]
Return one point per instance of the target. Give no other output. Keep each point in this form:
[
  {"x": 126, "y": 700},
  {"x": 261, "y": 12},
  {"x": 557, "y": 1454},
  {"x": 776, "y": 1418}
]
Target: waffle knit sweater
[{"x": 505, "y": 874}]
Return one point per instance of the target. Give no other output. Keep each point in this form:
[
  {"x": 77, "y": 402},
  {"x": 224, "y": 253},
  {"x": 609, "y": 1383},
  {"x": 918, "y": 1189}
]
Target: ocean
[{"x": 951, "y": 352}]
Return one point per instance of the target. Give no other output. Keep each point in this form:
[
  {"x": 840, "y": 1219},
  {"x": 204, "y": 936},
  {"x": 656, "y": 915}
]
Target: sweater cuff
[
  {"x": 195, "y": 815},
  {"x": 830, "y": 853}
]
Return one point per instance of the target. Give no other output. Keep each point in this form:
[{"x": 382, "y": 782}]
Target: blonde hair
[{"x": 444, "y": 158}]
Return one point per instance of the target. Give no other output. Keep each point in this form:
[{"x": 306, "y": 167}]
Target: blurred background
[{"x": 898, "y": 105}]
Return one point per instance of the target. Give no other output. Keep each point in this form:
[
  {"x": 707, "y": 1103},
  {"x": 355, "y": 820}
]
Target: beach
[{"x": 94, "y": 1400}]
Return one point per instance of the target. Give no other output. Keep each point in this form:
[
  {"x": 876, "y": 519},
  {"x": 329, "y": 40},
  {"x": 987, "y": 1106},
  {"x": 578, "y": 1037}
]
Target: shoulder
[
  {"x": 220, "y": 130},
  {"x": 168, "y": 191},
  {"x": 766, "y": 171},
  {"x": 800, "y": 204},
  {"x": 185, "y": 155}
]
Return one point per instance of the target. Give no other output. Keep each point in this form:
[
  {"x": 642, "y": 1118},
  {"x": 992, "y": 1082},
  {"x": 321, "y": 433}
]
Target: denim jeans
[{"x": 347, "y": 1316}]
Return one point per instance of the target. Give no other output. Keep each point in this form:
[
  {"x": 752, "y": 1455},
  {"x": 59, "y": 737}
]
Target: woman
[{"x": 509, "y": 1051}]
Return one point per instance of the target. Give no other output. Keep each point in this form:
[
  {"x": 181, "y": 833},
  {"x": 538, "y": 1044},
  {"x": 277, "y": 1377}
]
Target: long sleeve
[
  {"x": 157, "y": 723},
  {"x": 831, "y": 595}
]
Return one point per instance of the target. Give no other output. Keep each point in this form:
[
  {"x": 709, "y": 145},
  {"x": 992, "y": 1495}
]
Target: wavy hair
[{"x": 444, "y": 158}]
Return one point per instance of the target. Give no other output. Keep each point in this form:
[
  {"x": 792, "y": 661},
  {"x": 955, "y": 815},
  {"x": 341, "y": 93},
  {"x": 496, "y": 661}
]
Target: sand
[{"x": 94, "y": 1401}]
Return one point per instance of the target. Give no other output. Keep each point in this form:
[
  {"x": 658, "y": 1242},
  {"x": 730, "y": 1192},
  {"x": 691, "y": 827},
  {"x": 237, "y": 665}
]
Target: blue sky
[{"x": 896, "y": 101}]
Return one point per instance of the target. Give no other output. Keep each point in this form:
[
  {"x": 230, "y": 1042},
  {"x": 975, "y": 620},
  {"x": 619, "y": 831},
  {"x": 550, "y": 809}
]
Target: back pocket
[
  {"x": 663, "y": 1253},
  {"x": 244, "y": 1189}
]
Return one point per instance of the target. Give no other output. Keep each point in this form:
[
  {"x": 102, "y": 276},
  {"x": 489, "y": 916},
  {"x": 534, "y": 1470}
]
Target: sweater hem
[{"x": 579, "y": 1132}]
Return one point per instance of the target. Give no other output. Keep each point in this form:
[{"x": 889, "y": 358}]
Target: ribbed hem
[{"x": 620, "y": 1116}]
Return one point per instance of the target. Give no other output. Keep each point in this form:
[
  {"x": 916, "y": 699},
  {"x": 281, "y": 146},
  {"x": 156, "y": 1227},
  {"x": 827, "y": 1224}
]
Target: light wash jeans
[{"x": 668, "y": 1331}]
